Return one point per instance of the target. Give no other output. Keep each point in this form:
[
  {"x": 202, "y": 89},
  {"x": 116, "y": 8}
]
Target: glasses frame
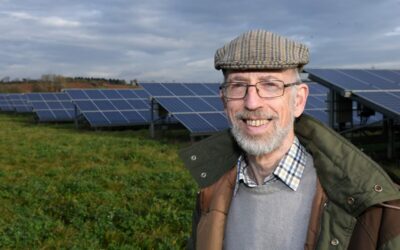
[{"x": 227, "y": 84}]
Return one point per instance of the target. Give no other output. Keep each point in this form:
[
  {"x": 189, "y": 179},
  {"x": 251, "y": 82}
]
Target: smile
[{"x": 256, "y": 123}]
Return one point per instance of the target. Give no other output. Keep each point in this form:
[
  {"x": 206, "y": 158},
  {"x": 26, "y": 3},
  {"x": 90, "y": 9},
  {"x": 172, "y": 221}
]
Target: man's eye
[
  {"x": 269, "y": 84},
  {"x": 238, "y": 85}
]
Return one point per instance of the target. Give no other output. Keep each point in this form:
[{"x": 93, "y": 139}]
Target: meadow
[
  {"x": 63, "y": 188},
  {"x": 68, "y": 188}
]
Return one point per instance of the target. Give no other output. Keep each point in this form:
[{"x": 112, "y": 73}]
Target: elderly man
[{"x": 275, "y": 183}]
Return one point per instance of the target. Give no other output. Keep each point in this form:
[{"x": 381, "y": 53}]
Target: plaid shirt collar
[{"x": 289, "y": 170}]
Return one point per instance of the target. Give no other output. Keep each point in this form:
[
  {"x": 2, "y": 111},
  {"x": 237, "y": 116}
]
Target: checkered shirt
[{"x": 289, "y": 170}]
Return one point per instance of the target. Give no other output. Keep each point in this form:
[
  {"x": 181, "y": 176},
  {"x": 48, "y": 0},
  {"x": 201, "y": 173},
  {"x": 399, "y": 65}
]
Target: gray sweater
[{"x": 271, "y": 216}]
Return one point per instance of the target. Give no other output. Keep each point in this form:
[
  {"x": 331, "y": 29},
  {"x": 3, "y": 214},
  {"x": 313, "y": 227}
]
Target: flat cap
[{"x": 260, "y": 49}]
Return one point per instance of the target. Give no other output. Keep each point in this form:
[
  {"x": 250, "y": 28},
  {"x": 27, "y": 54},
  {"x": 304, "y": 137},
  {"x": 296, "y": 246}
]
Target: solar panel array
[
  {"x": 15, "y": 102},
  {"x": 378, "y": 89},
  {"x": 111, "y": 107},
  {"x": 52, "y": 107},
  {"x": 195, "y": 105}
]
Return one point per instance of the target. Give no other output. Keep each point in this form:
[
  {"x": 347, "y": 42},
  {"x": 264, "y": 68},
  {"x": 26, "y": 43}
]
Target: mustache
[{"x": 245, "y": 115}]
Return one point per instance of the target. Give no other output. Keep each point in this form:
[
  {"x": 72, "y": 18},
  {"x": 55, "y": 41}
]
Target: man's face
[{"x": 261, "y": 125}]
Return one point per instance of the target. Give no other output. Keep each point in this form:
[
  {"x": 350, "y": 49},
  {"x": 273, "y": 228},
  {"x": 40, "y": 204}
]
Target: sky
[{"x": 175, "y": 40}]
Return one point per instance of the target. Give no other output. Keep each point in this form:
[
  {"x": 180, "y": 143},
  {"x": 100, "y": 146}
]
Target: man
[{"x": 275, "y": 183}]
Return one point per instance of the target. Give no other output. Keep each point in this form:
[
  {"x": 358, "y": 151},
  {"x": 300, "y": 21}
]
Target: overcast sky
[{"x": 175, "y": 40}]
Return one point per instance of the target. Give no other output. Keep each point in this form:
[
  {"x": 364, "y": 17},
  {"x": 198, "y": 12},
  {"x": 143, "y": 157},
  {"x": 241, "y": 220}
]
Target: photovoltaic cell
[
  {"x": 214, "y": 87},
  {"x": 178, "y": 89},
  {"x": 220, "y": 122},
  {"x": 141, "y": 94},
  {"x": 156, "y": 89},
  {"x": 316, "y": 102},
  {"x": 215, "y": 102},
  {"x": 174, "y": 104},
  {"x": 197, "y": 104},
  {"x": 317, "y": 89},
  {"x": 201, "y": 90}
]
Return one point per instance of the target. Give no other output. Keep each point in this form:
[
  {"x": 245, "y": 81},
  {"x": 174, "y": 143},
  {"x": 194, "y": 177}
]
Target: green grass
[{"x": 63, "y": 188}]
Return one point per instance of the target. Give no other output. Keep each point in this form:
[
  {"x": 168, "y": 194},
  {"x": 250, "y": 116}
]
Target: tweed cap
[{"x": 260, "y": 49}]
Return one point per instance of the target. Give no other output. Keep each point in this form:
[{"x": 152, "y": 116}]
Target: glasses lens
[
  {"x": 270, "y": 88},
  {"x": 235, "y": 90}
]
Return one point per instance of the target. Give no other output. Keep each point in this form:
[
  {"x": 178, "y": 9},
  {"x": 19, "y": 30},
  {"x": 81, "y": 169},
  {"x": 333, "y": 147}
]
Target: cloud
[
  {"x": 204, "y": 63},
  {"x": 48, "y": 21},
  {"x": 395, "y": 32},
  {"x": 175, "y": 40}
]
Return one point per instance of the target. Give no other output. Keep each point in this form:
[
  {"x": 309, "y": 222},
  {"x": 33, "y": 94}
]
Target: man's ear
[{"x": 300, "y": 99}]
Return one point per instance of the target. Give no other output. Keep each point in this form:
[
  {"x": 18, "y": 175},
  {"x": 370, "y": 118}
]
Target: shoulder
[
  {"x": 209, "y": 159},
  {"x": 343, "y": 170}
]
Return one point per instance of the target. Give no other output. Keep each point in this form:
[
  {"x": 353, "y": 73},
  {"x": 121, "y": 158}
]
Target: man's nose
[{"x": 252, "y": 100}]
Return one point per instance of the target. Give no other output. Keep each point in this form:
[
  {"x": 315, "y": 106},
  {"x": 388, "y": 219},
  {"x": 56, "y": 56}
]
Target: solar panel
[
  {"x": 181, "y": 89},
  {"x": 195, "y": 123},
  {"x": 316, "y": 105},
  {"x": 52, "y": 107},
  {"x": 5, "y": 105},
  {"x": 201, "y": 89},
  {"x": 111, "y": 107},
  {"x": 178, "y": 89},
  {"x": 19, "y": 103},
  {"x": 384, "y": 102},
  {"x": 377, "y": 89},
  {"x": 320, "y": 115},
  {"x": 156, "y": 89},
  {"x": 174, "y": 104},
  {"x": 195, "y": 105}
]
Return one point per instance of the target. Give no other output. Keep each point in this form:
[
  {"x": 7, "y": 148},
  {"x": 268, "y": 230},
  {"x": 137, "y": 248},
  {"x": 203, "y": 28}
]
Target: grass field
[{"x": 63, "y": 188}]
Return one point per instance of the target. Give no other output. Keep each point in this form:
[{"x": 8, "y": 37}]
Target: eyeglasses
[{"x": 265, "y": 89}]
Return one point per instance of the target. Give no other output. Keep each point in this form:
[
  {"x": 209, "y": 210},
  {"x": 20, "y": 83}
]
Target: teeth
[{"x": 256, "y": 123}]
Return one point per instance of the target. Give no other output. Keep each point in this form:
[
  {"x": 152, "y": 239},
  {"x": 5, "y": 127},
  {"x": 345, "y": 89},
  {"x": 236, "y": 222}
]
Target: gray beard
[{"x": 261, "y": 145}]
